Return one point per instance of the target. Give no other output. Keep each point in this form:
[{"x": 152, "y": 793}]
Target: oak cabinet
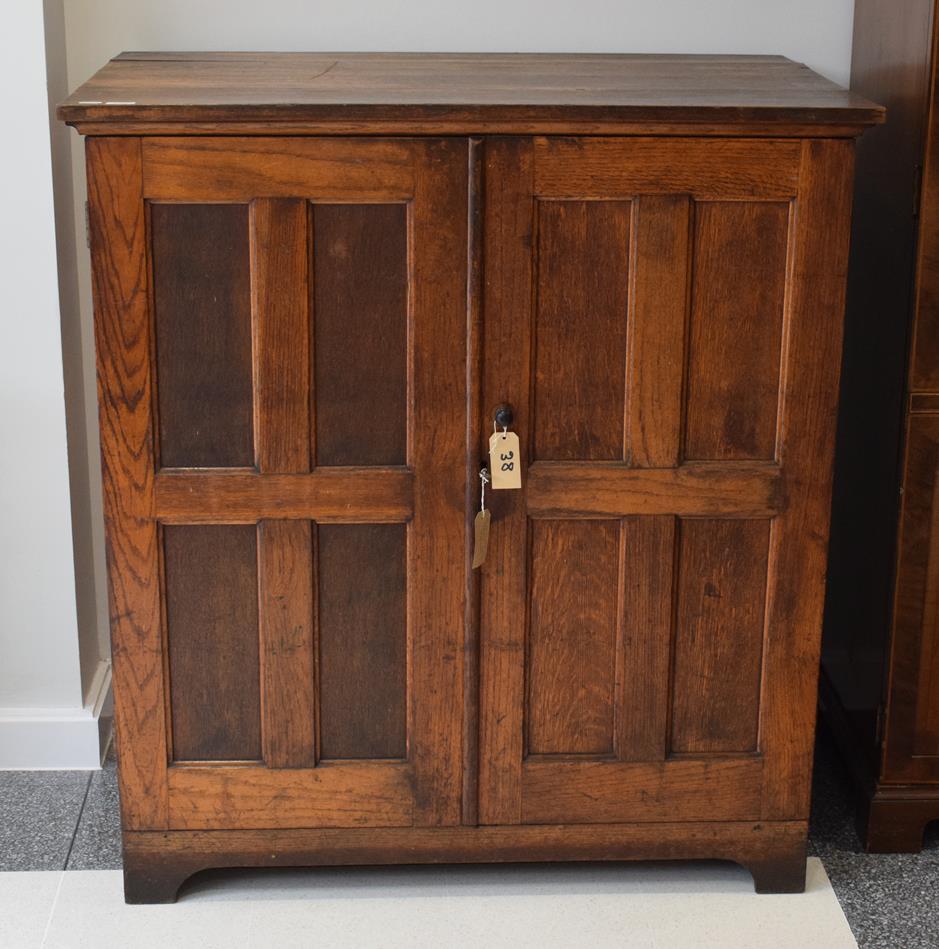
[
  {"x": 306, "y": 314},
  {"x": 881, "y": 656}
]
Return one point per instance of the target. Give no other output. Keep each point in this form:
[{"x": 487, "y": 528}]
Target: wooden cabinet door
[
  {"x": 664, "y": 317},
  {"x": 911, "y": 749},
  {"x": 281, "y": 336}
]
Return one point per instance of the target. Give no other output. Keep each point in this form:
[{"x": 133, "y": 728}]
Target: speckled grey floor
[
  {"x": 53, "y": 820},
  {"x": 60, "y": 820},
  {"x": 891, "y": 900}
]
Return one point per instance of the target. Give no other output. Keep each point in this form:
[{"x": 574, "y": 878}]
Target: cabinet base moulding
[
  {"x": 894, "y": 823},
  {"x": 157, "y": 863}
]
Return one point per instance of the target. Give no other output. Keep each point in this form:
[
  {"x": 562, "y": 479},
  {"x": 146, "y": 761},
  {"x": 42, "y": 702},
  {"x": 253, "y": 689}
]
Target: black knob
[{"x": 503, "y": 416}]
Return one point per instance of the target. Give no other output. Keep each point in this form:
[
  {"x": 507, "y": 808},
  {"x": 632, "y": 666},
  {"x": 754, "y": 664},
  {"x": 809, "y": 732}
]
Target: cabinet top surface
[{"x": 458, "y": 91}]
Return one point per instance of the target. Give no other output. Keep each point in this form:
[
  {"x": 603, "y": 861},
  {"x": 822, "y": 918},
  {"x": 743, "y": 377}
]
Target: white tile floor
[{"x": 624, "y": 906}]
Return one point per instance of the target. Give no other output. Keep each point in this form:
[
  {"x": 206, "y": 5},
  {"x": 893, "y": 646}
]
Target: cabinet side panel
[
  {"x": 574, "y": 578},
  {"x": 719, "y": 635},
  {"x": 360, "y": 319},
  {"x": 580, "y": 329},
  {"x": 738, "y": 288},
  {"x": 202, "y": 311},
  {"x": 799, "y": 536},
  {"x": 117, "y": 224},
  {"x": 362, "y": 640},
  {"x": 211, "y": 578}
]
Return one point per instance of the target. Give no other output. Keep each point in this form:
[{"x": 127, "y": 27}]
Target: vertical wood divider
[
  {"x": 280, "y": 315},
  {"x": 660, "y": 258},
  {"x": 436, "y": 604},
  {"x": 641, "y": 707},
  {"x": 474, "y": 330},
  {"x": 280, "y": 265},
  {"x": 508, "y": 233}
]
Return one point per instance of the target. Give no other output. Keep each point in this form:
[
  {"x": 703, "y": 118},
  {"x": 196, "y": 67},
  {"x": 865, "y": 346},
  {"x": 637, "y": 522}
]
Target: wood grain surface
[
  {"x": 739, "y": 285},
  {"x": 118, "y": 232},
  {"x": 211, "y": 580},
  {"x": 572, "y": 637},
  {"x": 481, "y": 91},
  {"x": 718, "y": 648},
  {"x": 202, "y": 318},
  {"x": 362, "y": 640},
  {"x": 580, "y": 386},
  {"x": 360, "y": 330}
]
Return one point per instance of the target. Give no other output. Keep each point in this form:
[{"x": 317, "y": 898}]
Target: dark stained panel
[
  {"x": 202, "y": 302},
  {"x": 738, "y": 290},
  {"x": 212, "y": 632},
  {"x": 362, "y": 640},
  {"x": 572, "y": 636},
  {"x": 719, "y": 635},
  {"x": 580, "y": 329},
  {"x": 360, "y": 283}
]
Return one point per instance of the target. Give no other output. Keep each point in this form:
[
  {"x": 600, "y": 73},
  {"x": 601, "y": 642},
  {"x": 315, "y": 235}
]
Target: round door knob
[{"x": 503, "y": 416}]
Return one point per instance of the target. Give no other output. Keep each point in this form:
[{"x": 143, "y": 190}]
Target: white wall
[
  {"x": 817, "y": 32},
  {"x": 37, "y": 588},
  {"x": 49, "y": 649},
  {"x": 41, "y": 682}
]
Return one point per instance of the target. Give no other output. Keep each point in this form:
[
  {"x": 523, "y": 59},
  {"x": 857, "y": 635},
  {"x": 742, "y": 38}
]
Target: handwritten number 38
[{"x": 506, "y": 459}]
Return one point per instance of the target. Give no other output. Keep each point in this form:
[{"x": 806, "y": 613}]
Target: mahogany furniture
[
  {"x": 881, "y": 656},
  {"x": 315, "y": 277}
]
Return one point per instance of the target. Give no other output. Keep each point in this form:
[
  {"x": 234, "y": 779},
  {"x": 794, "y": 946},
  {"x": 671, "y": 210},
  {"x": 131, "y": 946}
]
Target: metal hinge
[{"x": 87, "y": 226}]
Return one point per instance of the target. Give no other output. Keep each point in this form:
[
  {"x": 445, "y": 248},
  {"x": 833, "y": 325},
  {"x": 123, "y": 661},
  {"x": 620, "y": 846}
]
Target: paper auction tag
[{"x": 505, "y": 460}]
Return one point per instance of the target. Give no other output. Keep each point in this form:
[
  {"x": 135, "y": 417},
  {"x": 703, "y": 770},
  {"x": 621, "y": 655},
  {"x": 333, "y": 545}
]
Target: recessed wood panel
[
  {"x": 202, "y": 310},
  {"x": 580, "y": 330},
  {"x": 211, "y": 578},
  {"x": 718, "y": 649},
  {"x": 571, "y": 641},
  {"x": 738, "y": 290},
  {"x": 362, "y": 640},
  {"x": 360, "y": 287}
]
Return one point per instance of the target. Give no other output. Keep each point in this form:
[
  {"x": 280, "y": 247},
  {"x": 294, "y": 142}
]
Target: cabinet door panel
[
  {"x": 360, "y": 315},
  {"x": 639, "y": 635},
  {"x": 211, "y": 579},
  {"x": 572, "y": 637},
  {"x": 363, "y": 640},
  {"x": 310, "y": 331},
  {"x": 202, "y": 316},
  {"x": 580, "y": 330},
  {"x": 720, "y": 611},
  {"x": 738, "y": 292}
]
